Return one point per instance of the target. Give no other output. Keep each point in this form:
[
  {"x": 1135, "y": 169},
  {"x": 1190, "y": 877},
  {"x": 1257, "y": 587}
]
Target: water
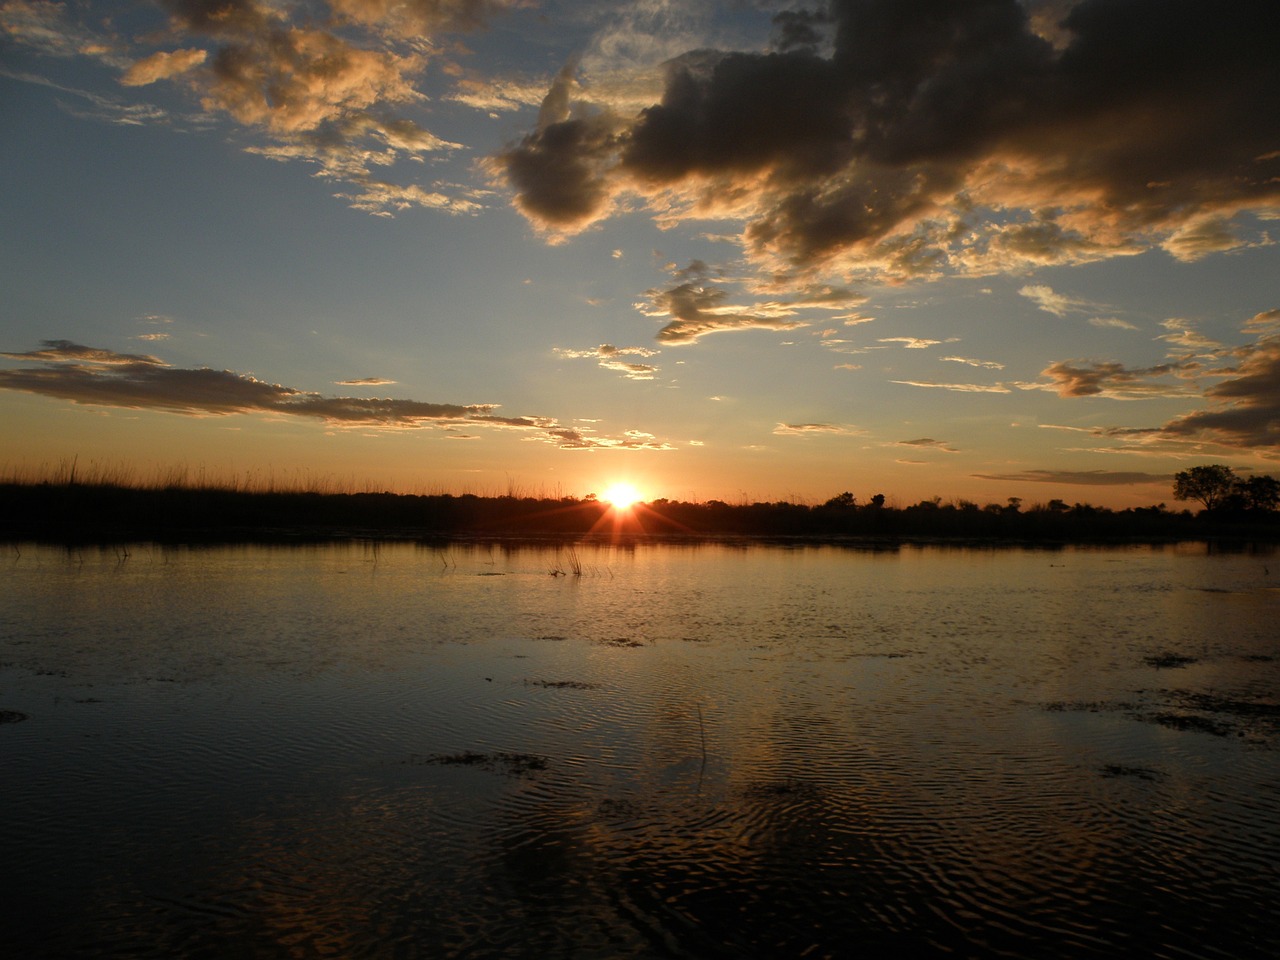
[{"x": 669, "y": 751}]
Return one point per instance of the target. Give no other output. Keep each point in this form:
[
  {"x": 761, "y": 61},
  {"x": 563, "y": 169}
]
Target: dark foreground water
[{"x": 671, "y": 751}]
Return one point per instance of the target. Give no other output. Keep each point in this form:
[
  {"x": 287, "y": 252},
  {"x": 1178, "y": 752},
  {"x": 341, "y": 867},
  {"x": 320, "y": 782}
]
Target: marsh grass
[{"x": 75, "y": 501}]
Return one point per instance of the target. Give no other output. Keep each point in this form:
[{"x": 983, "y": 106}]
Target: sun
[{"x": 621, "y": 495}]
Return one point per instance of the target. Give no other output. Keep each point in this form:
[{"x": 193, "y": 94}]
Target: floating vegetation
[
  {"x": 1088, "y": 706},
  {"x": 780, "y": 788},
  {"x": 562, "y": 684},
  {"x": 12, "y": 716},
  {"x": 1168, "y": 660},
  {"x": 1186, "y": 721},
  {"x": 511, "y": 764},
  {"x": 1210, "y": 713},
  {"x": 551, "y": 636},
  {"x": 611, "y": 808},
  {"x": 620, "y": 642},
  {"x": 1258, "y": 658},
  {"x": 1112, "y": 770}
]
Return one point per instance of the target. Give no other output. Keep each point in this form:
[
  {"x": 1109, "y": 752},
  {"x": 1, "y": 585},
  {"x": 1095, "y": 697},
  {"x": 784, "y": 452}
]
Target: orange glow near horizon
[{"x": 621, "y": 495}]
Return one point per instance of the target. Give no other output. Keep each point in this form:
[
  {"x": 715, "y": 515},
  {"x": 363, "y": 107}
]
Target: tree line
[{"x": 71, "y": 512}]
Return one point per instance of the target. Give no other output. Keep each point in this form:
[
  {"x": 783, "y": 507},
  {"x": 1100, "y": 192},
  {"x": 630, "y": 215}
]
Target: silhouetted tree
[
  {"x": 1209, "y": 485},
  {"x": 846, "y": 500},
  {"x": 1259, "y": 492}
]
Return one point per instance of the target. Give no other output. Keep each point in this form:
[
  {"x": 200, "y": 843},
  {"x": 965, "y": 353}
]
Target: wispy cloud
[
  {"x": 971, "y": 362},
  {"x": 1182, "y": 334},
  {"x": 816, "y": 429},
  {"x": 929, "y": 442},
  {"x": 956, "y": 387},
  {"x": 916, "y": 343},
  {"x": 100, "y": 377},
  {"x": 365, "y": 382},
  {"x": 1050, "y": 301},
  {"x": 329, "y": 84},
  {"x": 1113, "y": 323}
]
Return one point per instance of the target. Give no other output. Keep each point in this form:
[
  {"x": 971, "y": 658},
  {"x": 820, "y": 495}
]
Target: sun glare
[{"x": 621, "y": 495}]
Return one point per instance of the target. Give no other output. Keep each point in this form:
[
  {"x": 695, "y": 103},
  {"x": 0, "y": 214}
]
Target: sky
[{"x": 968, "y": 249}]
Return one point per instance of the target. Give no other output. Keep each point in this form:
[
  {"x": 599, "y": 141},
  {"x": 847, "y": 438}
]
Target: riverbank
[{"x": 72, "y": 513}]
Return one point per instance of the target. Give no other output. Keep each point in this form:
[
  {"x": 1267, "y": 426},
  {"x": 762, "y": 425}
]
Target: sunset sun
[{"x": 621, "y": 495}]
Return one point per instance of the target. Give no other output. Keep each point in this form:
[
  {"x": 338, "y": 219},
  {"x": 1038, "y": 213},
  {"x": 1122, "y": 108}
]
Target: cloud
[
  {"x": 567, "y": 438},
  {"x": 1268, "y": 321},
  {"x": 916, "y": 343},
  {"x": 162, "y": 65},
  {"x": 1049, "y": 301},
  {"x": 1245, "y": 407},
  {"x": 815, "y": 429},
  {"x": 1112, "y": 323},
  {"x": 1243, "y": 399},
  {"x": 328, "y": 84},
  {"x": 608, "y": 356},
  {"x": 424, "y": 16},
  {"x": 956, "y": 387},
  {"x": 365, "y": 382},
  {"x": 1114, "y": 380},
  {"x": 47, "y": 28},
  {"x": 970, "y": 362},
  {"x": 1182, "y": 335},
  {"x": 101, "y": 108},
  {"x": 57, "y": 351},
  {"x": 698, "y": 307},
  {"x": 928, "y": 442},
  {"x": 945, "y": 137},
  {"x": 1089, "y": 478},
  {"x": 99, "y": 377}
]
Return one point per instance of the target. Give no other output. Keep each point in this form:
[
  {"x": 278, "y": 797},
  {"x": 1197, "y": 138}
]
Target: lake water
[{"x": 667, "y": 751}]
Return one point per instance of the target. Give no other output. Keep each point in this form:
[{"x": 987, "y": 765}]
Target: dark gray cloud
[
  {"x": 93, "y": 376},
  {"x": 55, "y": 351},
  {"x": 944, "y": 135},
  {"x": 1088, "y": 478},
  {"x": 1245, "y": 407}
]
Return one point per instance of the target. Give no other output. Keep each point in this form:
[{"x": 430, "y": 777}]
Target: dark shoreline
[{"x": 107, "y": 514}]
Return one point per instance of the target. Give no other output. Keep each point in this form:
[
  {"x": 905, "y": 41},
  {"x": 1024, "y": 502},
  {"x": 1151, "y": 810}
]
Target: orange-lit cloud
[
  {"x": 610, "y": 357},
  {"x": 1244, "y": 409},
  {"x": 325, "y": 83},
  {"x": 895, "y": 140},
  {"x": 1114, "y": 380},
  {"x": 816, "y": 429},
  {"x": 162, "y": 66},
  {"x": 700, "y": 304}
]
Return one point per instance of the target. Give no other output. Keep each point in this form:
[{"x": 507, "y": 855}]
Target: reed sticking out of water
[
  {"x": 702, "y": 732},
  {"x": 575, "y": 564}
]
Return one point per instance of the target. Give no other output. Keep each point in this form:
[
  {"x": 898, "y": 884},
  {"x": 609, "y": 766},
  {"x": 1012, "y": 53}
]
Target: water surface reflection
[{"x": 668, "y": 751}]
